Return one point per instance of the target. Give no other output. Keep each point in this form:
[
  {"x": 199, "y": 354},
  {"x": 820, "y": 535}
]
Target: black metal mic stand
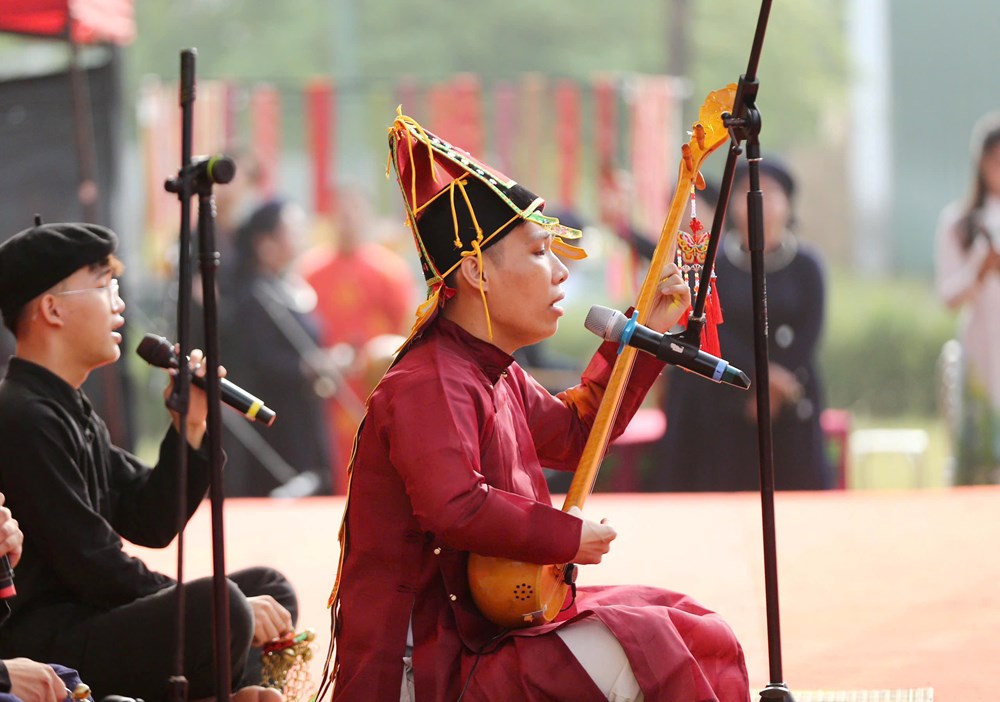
[
  {"x": 198, "y": 177},
  {"x": 744, "y": 126},
  {"x": 218, "y": 169},
  {"x": 177, "y": 686}
]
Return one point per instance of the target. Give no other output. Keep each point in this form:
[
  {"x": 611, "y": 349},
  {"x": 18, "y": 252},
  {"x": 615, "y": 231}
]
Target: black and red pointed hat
[{"x": 457, "y": 206}]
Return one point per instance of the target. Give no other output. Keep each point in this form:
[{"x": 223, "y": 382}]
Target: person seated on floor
[
  {"x": 81, "y": 599},
  {"x": 23, "y": 678},
  {"x": 448, "y": 463}
]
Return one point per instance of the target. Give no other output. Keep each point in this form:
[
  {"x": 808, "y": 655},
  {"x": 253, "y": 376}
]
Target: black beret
[{"x": 34, "y": 260}]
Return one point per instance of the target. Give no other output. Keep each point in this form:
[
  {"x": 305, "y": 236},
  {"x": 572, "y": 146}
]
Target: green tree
[{"x": 803, "y": 69}]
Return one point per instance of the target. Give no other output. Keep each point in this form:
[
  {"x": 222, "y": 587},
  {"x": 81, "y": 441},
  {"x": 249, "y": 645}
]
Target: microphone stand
[
  {"x": 177, "y": 684},
  {"x": 744, "y": 126},
  {"x": 198, "y": 177},
  {"x": 218, "y": 170}
]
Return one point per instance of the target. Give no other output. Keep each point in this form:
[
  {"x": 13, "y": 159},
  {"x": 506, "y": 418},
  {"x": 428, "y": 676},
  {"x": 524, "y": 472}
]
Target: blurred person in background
[
  {"x": 270, "y": 336},
  {"x": 711, "y": 438},
  {"x": 234, "y": 202},
  {"x": 968, "y": 279},
  {"x": 365, "y": 298},
  {"x": 615, "y": 213}
]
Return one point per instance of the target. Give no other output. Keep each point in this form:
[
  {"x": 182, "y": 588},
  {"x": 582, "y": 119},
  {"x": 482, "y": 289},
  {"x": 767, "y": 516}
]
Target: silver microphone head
[{"x": 606, "y": 323}]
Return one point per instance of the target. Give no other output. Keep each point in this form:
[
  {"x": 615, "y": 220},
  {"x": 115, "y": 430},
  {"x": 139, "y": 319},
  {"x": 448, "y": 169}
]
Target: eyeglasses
[{"x": 111, "y": 289}]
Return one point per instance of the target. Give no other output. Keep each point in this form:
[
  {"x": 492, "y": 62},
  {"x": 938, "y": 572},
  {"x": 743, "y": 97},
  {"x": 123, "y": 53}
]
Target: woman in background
[
  {"x": 269, "y": 337},
  {"x": 711, "y": 438},
  {"x": 968, "y": 279}
]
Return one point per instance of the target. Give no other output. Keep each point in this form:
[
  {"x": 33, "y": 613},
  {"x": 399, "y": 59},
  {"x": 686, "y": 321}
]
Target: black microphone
[
  {"x": 6, "y": 578},
  {"x": 159, "y": 352},
  {"x": 612, "y": 325},
  {"x": 219, "y": 169}
]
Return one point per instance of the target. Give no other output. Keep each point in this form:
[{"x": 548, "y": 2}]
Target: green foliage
[
  {"x": 803, "y": 66},
  {"x": 881, "y": 345},
  {"x": 369, "y": 46}
]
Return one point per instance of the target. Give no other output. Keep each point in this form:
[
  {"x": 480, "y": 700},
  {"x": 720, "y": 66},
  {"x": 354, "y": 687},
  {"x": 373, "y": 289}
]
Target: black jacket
[{"x": 75, "y": 496}]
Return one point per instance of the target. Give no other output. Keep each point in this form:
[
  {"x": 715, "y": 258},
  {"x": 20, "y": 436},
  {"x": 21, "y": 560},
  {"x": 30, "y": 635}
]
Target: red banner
[
  {"x": 654, "y": 158},
  {"x": 265, "y": 106},
  {"x": 319, "y": 97},
  {"x": 569, "y": 139},
  {"x": 606, "y": 125},
  {"x": 456, "y": 112},
  {"x": 504, "y": 125}
]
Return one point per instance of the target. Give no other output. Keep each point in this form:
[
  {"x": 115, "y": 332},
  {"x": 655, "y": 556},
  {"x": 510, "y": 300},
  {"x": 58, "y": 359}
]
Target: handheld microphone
[
  {"x": 612, "y": 325},
  {"x": 6, "y": 578},
  {"x": 159, "y": 352}
]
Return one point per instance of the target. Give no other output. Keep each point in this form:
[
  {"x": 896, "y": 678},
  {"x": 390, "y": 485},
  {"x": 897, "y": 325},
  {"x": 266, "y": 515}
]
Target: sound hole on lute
[{"x": 524, "y": 591}]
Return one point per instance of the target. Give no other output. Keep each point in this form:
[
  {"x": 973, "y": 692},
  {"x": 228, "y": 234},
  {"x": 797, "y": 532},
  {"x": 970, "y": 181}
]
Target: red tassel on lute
[
  {"x": 692, "y": 249},
  {"x": 713, "y": 318}
]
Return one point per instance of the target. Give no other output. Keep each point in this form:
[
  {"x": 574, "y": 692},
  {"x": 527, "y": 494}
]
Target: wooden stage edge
[{"x": 878, "y": 590}]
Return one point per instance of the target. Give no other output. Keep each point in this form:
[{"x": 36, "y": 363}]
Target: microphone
[
  {"x": 159, "y": 352},
  {"x": 6, "y": 578},
  {"x": 213, "y": 170},
  {"x": 219, "y": 169},
  {"x": 612, "y": 325}
]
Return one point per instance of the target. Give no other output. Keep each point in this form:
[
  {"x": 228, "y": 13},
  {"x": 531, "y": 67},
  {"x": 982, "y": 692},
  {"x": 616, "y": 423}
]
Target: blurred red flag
[
  {"x": 93, "y": 21},
  {"x": 265, "y": 109},
  {"x": 568, "y": 136},
  {"x": 457, "y": 113},
  {"x": 320, "y": 97}
]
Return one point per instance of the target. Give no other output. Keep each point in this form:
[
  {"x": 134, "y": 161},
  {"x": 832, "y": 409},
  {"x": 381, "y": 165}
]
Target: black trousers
[{"x": 129, "y": 650}]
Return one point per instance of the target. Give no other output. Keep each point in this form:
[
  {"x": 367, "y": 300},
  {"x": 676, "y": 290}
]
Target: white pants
[
  {"x": 600, "y": 654},
  {"x": 597, "y": 650}
]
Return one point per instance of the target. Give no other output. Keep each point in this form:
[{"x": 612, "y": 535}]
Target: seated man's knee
[{"x": 200, "y": 594}]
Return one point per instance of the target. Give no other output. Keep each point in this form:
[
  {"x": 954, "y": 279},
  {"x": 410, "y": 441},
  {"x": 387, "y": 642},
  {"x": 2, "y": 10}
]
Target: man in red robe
[{"x": 448, "y": 461}]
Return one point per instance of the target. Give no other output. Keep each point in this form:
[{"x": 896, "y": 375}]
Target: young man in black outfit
[{"x": 81, "y": 599}]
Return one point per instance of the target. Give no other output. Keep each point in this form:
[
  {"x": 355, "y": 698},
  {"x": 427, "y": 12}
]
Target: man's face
[
  {"x": 92, "y": 310},
  {"x": 524, "y": 287}
]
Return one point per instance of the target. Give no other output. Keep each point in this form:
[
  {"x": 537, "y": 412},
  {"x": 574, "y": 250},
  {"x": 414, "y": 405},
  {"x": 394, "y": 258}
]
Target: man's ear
[
  {"x": 468, "y": 271},
  {"x": 48, "y": 310}
]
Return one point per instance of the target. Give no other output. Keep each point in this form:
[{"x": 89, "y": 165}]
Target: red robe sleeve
[{"x": 560, "y": 443}]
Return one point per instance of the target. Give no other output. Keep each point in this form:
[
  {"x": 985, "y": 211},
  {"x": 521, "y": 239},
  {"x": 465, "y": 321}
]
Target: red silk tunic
[{"x": 449, "y": 460}]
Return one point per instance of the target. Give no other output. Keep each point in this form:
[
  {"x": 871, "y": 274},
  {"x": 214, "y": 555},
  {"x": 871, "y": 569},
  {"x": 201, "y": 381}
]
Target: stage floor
[{"x": 878, "y": 589}]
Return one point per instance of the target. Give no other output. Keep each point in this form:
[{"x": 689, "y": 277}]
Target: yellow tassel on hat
[{"x": 399, "y": 127}]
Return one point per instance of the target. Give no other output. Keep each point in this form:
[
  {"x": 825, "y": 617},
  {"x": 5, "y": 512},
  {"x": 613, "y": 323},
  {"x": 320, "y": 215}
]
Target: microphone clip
[
  {"x": 627, "y": 332},
  {"x": 689, "y": 340}
]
